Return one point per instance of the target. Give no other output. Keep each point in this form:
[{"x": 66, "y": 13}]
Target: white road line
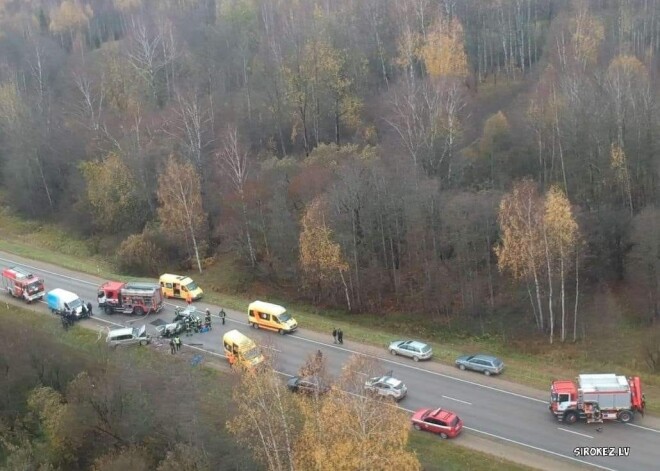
[
  {"x": 457, "y": 400},
  {"x": 576, "y": 433},
  {"x": 554, "y": 453},
  {"x": 645, "y": 428},
  {"x": 49, "y": 272}
]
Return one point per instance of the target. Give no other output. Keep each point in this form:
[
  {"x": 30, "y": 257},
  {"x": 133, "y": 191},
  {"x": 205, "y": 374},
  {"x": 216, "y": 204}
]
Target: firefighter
[
  {"x": 207, "y": 319},
  {"x": 189, "y": 298},
  {"x": 222, "y": 315},
  {"x": 177, "y": 343},
  {"x": 89, "y": 309},
  {"x": 65, "y": 322},
  {"x": 172, "y": 347}
]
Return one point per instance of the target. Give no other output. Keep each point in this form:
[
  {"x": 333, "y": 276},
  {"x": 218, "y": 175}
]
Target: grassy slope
[
  {"x": 434, "y": 453},
  {"x": 532, "y": 363}
]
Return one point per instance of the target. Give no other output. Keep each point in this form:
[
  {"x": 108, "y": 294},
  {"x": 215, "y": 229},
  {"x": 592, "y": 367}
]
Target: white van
[{"x": 128, "y": 336}]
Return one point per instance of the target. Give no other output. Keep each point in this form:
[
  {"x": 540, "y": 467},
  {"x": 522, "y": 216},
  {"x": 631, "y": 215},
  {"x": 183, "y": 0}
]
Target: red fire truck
[
  {"x": 130, "y": 298},
  {"x": 597, "y": 397},
  {"x": 22, "y": 284}
]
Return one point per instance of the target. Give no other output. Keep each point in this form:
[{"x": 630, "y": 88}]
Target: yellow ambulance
[
  {"x": 182, "y": 287},
  {"x": 271, "y": 316},
  {"x": 241, "y": 351}
]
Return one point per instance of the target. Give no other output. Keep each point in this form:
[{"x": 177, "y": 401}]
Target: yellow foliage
[
  {"x": 11, "y": 104},
  {"x": 496, "y": 125},
  {"x": 619, "y": 163},
  {"x": 344, "y": 431},
  {"x": 70, "y": 15},
  {"x": 320, "y": 256},
  {"x": 110, "y": 191},
  {"x": 49, "y": 406},
  {"x": 587, "y": 34},
  {"x": 127, "y": 5},
  {"x": 562, "y": 229},
  {"x": 627, "y": 69},
  {"x": 409, "y": 45},
  {"x": 444, "y": 51}
]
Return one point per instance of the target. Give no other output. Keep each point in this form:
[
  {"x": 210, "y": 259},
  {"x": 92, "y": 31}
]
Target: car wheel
[
  {"x": 461, "y": 367},
  {"x": 487, "y": 373},
  {"x": 108, "y": 310},
  {"x": 444, "y": 436},
  {"x": 393, "y": 352},
  {"x": 139, "y": 311},
  {"x": 625, "y": 416},
  {"x": 417, "y": 427},
  {"x": 416, "y": 358},
  {"x": 570, "y": 417},
  {"x": 281, "y": 331}
]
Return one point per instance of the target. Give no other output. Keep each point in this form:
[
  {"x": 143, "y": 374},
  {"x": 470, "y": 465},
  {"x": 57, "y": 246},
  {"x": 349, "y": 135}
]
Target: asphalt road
[{"x": 490, "y": 407}]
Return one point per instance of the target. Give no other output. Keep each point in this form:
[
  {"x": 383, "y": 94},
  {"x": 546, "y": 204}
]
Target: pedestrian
[
  {"x": 172, "y": 347},
  {"x": 222, "y": 315},
  {"x": 207, "y": 319},
  {"x": 177, "y": 343},
  {"x": 65, "y": 323},
  {"x": 189, "y": 298},
  {"x": 334, "y": 335},
  {"x": 89, "y": 308},
  {"x": 340, "y": 336}
]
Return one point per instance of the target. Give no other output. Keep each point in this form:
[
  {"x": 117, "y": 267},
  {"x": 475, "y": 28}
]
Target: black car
[{"x": 307, "y": 385}]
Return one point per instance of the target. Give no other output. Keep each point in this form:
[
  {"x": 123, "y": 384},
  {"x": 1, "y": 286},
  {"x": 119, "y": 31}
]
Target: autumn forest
[{"x": 472, "y": 162}]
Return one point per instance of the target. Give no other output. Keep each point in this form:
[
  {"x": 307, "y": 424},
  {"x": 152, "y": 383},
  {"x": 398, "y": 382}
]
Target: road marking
[
  {"x": 539, "y": 449},
  {"x": 576, "y": 433},
  {"x": 457, "y": 400},
  {"x": 645, "y": 428}
]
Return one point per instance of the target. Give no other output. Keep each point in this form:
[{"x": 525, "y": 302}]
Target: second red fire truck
[
  {"x": 130, "y": 298},
  {"x": 22, "y": 284},
  {"x": 597, "y": 397}
]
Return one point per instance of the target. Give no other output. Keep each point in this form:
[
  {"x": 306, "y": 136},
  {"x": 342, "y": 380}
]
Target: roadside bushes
[{"x": 139, "y": 255}]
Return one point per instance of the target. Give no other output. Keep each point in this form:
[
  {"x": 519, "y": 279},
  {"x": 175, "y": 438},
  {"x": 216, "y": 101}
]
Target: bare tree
[{"x": 233, "y": 160}]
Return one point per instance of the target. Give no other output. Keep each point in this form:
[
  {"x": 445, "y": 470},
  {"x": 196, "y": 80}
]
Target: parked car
[
  {"x": 128, "y": 336},
  {"x": 170, "y": 330},
  {"x": 486, "y": 364},
  {"x": 306, "y": 386},
  {"x": 443, "y": 422},
  {"x": 411, "y": 348},
  {"x": 386, "y": 386},
  {"x": 181, "y": 314}
]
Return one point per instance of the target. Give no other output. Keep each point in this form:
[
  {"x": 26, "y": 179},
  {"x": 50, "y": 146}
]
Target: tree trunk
[
  {"x": 563, "y": 295},
  {"x": 348, "y": 296},
  {"x": 577, "y": 286},
  {"x": 253, "y": 258},
  {"x": 551, "y": 315}
]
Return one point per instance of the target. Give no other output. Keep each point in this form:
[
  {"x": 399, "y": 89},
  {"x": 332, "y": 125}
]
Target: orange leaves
[
  {"x": 587, "y": 34},
  {"x": 70, "y": 16},
  {"x": 559, "y": 221},
  {"x": 444, "y": 51}
]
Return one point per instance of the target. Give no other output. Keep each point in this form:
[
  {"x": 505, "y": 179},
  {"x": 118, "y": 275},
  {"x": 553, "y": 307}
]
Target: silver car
[
  {"x": 386, "y": 386},
  {"x": 128, "y": 336},
  {"x": 486, "y": 364},
  {"x": 411, "y": 348}
]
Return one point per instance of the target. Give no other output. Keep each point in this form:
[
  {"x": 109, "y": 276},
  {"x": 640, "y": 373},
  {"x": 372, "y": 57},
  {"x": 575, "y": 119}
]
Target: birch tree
[
  {"x": 233, "y": 159},
  {"x": 180, "y": 197},
  {"x": 321, "y": 258},
  {"x": 521, "y": 250}
]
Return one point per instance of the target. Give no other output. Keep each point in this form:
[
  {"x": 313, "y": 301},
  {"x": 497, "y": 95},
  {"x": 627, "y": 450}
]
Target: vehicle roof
[
  {"x": 442, "y": 414},
  {"x": 238, "y": 338},
  {"x": 267, "y": 308},
  {"x": 389, "y": 380},
  {"x": 118, "y": 332},
  {"x": 112, "y": 285},
  {"x": 184, "y": 280},
  {"x": 482, "y": 356},
  {"x": 64, "y": 295},
  {"x": 603, "y": 382},
  {"x": 415, "y": 343},
  {"x": 137, "y": 286}
]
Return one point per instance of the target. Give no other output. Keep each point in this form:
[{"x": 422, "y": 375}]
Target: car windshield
[
  {"x": 251, "y": 354},
  {"x": 497, "y": 362},
  {"x": 453, "y": 422},
  {"x": 192, "y": 286},
  {"x": 397, "y": 386},
  {"x": 426, "y": 348},
  {"x": 34, "y": 286},
  {"x": 284, "y": 317},
  {"x": 76, "y": 303}
]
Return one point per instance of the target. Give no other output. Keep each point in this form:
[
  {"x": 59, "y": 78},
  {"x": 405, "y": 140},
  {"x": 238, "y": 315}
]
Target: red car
[{"x": 440, "y": 421}]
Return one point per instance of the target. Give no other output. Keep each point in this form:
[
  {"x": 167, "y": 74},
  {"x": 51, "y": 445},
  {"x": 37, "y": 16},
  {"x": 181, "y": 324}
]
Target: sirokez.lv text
[{"x": 602, "y": 451}]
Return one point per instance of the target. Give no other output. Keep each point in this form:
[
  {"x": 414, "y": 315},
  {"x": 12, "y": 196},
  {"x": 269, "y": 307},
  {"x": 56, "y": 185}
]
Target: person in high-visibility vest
[{"x": 189, "y": 298}]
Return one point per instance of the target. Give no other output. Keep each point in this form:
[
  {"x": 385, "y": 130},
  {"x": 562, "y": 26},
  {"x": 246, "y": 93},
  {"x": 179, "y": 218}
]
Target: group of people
[
  {"x": 68, "y": 316},
  {"x": 338, "y": 336},
  {"x": 175, "y": 344}
]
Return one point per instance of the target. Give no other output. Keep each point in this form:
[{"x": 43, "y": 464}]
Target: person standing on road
[
  {"x": 334, "y": 335},
  {"x": 177, "y": 343},
  {"x": 172, "y": 347},
  {"x": 222, "y": 315},
  {"x": 207, "y": 319},
  {"x": 189, "y": 298},
  {"x": 89, "y": 309},
  {"x": 340, "y": 336}
]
